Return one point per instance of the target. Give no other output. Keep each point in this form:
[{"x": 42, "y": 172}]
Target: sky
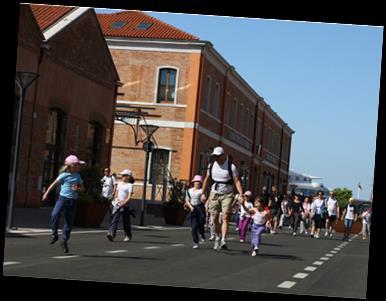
[{"x": 322, "y": 79}]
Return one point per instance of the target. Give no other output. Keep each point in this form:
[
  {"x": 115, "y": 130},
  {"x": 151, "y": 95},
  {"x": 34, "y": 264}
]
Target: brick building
[
  {"x": 203, "y": 102},
  {"x": 69, "y": 109}
]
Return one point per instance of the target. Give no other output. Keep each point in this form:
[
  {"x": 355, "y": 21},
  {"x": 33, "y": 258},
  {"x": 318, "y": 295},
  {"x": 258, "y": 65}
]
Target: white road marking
[
  {"x": 318, "y": 263},
  {"x": 11, "y": 262},
  {"x": 65, "y": 257},
  {"x": 300, "y": 275},
  {"x": 287, "y": 284},
  {"x": 329, "y": 255},
  {"x": 337, "y": 249},
  {"x": 334, "y": 252},
  {"x": 116, "y": 251},
  {"x": 310, "y": 269},
  {"x": 324, "y": 258},
  {"x": 178, "y": 245},
  {"x": 150, "y": 248}
]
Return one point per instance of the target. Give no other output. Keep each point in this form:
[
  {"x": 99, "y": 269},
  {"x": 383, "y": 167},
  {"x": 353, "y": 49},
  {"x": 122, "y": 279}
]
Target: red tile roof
[
  {"x": 47, "y": 15},
  {"x": 158, "y": 29}
]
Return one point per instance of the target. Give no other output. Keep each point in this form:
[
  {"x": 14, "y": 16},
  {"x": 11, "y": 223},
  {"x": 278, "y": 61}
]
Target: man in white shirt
[
  {"x": 223, "y": 174},
  {"x": 333, "y": 213},
  {"x": 109, "y": 185}
]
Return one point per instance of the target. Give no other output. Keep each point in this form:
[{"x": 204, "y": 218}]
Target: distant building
[{"x": 305, "y": 184}]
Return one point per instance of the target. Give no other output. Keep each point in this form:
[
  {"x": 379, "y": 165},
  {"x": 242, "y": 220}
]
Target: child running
[
  {"x": 70, "y": 184},
  {"x": 259, "y": 216},
  {"x": 121, "y": 206},
  {"x": 197, "y": 210}
]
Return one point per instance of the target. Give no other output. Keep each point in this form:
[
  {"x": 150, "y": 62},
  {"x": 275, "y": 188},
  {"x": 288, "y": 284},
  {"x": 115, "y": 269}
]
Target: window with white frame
[{"x": 167, "y": 85}]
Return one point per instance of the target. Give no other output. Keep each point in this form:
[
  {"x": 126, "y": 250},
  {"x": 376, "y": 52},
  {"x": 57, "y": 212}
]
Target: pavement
[{"x": 163, "y": 255}]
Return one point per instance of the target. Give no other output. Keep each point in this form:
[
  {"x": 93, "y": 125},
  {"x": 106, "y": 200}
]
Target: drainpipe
[
  {"x": 280, "y": 155},
  {"x": 225, "y": 88}
]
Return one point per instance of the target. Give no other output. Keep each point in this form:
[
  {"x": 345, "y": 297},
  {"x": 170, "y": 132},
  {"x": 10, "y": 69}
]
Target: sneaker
[
  {"x": 294, "y": 233},
  {"x": 242, "y": 240},
  {"x": 110, "y": 237},
  {"x": 53, "y": 239},
  {"x": 306, "y": 233},
  {"x": 273, "y": 232},
  {"x": 255, "y": 251},
  {"x": 64, "y": 246},
  {"x": 195, "y": 246},
  {"x": 223, "y": 245},
  {"x": 216, "y": 244},
  {"x": 330, "y": 234},
  {"x": 127, "y": 238},
  {"x": 212, "y": 237},
  {"x": 326, "y": 234},
  {"x": 237, "y": 229},
  {"x": 317, "y": 236}
]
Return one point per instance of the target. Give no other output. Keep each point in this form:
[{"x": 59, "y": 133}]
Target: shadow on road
[
  {"x": 157, "y": 236},
  {"x": 231, "y": 252},
  {"x": 16, "y": 235},
  {"x": 122, "y": 257}
]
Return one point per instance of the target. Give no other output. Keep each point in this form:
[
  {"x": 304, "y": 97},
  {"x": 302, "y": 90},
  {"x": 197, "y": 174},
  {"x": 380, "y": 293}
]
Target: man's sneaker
[
  {"x": 53, "y": 239},
  {"x": 127, "y": 238},
  {"x": 64, "y": 246},
  {"x": 212, "y": 237},
  {"x": 195, "y": 246},
  {"x": 216, "y": 244},
  {"x": 110, "y": 237},
  {"x": 223, "y": 245}
]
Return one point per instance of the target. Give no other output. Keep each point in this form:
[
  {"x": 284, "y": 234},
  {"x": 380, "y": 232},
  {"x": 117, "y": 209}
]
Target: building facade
[
  {"x": 203, "y": 103},
  {"x": 70, "y": 108}
]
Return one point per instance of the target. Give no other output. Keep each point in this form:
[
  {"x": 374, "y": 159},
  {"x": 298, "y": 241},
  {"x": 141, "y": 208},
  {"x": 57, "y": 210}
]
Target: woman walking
[
  {"x": 295, "y": 211},
  {"x": 349, "y": 216},
  {"x": 70, "y": 184},
  {"x": 317, "y": 209},
  {"x": 121, "y": 206},
  {"x": 197, "y": 210},
  {"x": 305, "y": 223}
]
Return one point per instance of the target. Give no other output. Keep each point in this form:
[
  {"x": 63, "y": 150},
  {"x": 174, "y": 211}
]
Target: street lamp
[
  {"x": 148, "y": 147},
  {"x": 23, "y": 80}
]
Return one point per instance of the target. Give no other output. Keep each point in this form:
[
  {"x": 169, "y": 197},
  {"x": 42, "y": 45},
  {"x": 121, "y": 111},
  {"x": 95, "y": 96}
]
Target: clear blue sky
[{"x": 322, "y": 79}]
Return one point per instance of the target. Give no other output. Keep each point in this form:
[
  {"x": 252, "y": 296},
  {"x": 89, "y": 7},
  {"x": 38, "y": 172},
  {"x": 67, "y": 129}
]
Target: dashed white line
[
  {"x": 11, "y": 262},
  {"x": 116, "y": 251},
  {"x": 300, "y": 275},
  {"x": 337, "y": 249},
  {"x": 324, "y": 258},
  {"x": 317, "y": 262},
  {"x": 150, "y": 248},
  {"x": 178, "y": 245},
  {"x": 65, "y": 257},
  {"x": 334, "y": 252},
  {"x": 287, "y": 284},
  {"x": 329, "y": 255},
  {"x": 310, "y": 269}
]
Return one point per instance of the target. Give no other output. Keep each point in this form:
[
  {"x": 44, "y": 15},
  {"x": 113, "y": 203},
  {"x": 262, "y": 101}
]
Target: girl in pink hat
[
  {"x": 70, "y": 184},
  {"x": 197, "y": 213}
]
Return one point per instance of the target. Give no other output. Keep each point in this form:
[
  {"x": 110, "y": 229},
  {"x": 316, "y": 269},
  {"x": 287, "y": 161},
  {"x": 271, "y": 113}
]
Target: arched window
[
  {"x": 94, "y": 143},
  {"x": 167, "y": 85},
  {"x": 55, "y": 139}
]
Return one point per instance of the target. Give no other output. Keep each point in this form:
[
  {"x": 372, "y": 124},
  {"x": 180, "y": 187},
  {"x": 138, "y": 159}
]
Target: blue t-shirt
[{"x": 66, "y": 180}]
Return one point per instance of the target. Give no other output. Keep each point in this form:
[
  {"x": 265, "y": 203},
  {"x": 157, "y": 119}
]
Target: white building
[{"x": 305, "y": 184}]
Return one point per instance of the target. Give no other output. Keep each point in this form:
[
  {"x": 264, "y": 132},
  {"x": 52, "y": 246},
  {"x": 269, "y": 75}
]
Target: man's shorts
[{"x": 220, "y": 202}]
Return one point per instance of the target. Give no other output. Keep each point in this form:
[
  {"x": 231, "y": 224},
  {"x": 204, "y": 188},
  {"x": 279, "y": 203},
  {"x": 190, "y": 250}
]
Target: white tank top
[{"x": 259, "y": 218}]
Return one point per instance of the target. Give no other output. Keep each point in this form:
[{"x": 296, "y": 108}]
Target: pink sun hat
[
  {"x": 197, "y": 178},
  {"x": 72, "y": 159}
]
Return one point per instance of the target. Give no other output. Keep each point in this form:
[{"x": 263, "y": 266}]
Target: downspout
[
  {"x": 225, "y": 88},
  {"x": 280, "y": 155},
  {"x": 112, "y": 126},
  {"x": 254, "y": 143},
  {"x": 261, "y": 143}
]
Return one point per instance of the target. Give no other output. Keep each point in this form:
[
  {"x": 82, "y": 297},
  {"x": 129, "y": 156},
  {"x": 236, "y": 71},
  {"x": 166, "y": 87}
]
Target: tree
[{"x": 342, "y": 195}]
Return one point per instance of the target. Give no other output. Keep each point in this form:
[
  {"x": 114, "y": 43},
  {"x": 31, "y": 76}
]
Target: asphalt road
[{"x": 164, "y": 256}]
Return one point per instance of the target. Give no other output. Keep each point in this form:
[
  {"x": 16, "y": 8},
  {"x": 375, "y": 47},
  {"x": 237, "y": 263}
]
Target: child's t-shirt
[
  {"x": 66, "y": 180},
  {"x": 259, "y": 218},
  {"x": 194, "y": 196}
]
